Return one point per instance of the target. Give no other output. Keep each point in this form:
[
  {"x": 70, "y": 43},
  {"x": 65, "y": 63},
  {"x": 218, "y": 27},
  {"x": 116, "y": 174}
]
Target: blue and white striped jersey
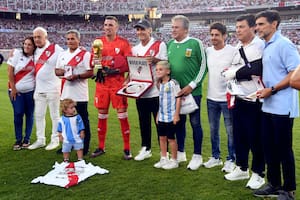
[{"x": 167, "y": 100}]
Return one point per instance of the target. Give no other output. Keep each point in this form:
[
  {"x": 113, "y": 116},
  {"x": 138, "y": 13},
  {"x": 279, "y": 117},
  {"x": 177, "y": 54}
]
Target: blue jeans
[
  {"x": 196, "y": 126},
  {"x": 23, "y": 105},
  {"x": 214, "y": 110}
]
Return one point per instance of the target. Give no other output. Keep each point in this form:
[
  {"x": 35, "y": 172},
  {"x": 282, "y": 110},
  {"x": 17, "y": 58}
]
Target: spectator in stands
[
  {"x": 216, "y": 96},
  {"x": 147, "y": 104},
  {"x": 75, "y": 67},
  {"x": 247, "y": 111},
  {"x": 111, "y": 79},
  {"x": 21, "y": 89},
  {"x": 280, "y": 107},
  {"x": 188, "y": 65},
  {"x": 47, "y": 90}
]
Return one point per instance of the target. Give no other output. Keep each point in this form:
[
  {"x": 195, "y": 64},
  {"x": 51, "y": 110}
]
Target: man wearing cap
[
  {"x": 153, "y": 50},
  {"x": 114, "y": 63}
]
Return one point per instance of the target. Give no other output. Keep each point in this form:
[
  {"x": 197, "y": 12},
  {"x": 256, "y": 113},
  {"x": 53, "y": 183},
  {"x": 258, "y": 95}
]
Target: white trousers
[{"x": 41, "y": 100}]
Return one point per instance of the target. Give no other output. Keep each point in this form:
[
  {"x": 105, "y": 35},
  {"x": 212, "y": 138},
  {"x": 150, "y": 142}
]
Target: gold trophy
[{"x": 97, "y": 49}]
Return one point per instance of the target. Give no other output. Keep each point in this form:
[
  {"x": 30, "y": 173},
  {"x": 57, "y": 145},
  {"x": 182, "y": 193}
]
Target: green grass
[{"x": 127, "y": 179}]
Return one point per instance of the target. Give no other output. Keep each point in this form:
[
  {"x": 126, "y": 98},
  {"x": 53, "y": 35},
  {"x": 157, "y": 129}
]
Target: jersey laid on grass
[{"x": 70, "y": 128}]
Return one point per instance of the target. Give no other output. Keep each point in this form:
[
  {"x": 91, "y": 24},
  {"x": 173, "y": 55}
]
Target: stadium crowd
[{"x": 12, "y": 32}]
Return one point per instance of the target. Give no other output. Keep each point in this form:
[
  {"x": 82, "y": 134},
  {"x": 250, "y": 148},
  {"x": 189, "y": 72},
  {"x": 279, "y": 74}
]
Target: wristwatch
[{"x": 273, "y": 90}]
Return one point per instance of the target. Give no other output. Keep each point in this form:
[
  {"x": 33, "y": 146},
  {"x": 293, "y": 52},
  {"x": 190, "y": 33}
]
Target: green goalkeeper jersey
[{"x": 188, "y": 63}]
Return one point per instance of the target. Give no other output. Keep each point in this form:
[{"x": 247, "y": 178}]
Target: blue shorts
[
  {"x": 67, "y": 147},
  {"x": 167, "y": 129}
]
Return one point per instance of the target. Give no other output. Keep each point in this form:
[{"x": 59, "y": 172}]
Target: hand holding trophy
[{"x": 97, "y": 50}]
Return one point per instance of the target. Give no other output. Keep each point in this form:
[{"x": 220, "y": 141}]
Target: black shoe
[
  {"x": 127, "y": 155},
  {"x": 284, "y": 195},
  {"x": 59, "y": 151},
  {"x": 267, "y": 191},
  {"x": 97, "y": 152}
]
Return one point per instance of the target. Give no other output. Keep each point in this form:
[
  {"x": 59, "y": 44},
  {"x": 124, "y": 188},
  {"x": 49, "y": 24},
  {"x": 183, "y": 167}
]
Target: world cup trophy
[{"x": 97, "y": 50}]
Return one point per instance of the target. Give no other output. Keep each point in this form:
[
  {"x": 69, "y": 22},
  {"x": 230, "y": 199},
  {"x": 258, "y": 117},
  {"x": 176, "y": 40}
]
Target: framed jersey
[{"x": 140, "y": 78}]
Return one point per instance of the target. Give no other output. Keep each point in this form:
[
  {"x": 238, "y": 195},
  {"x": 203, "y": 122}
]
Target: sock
[
  {"x": 123, "y": 118},
  {"x": 102, "y": 129}
]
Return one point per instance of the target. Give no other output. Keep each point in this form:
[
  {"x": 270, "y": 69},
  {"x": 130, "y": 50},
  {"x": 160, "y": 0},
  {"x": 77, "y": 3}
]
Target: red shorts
[{"x": 106, "y": 92}]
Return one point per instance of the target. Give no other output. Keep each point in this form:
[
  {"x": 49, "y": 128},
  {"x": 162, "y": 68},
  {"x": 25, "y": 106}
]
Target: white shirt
[
  {"x": 140, "y": 50},
  {"x": 217, "y": 61},
  {"x": 253, "y": 51},
  {"x": 18, "y": 61},
  {"x": 46, "y": 80},
  {"x": 78, "y": 90}
]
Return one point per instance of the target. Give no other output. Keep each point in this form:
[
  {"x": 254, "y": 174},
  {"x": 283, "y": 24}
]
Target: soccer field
[{"x": 128, "y": 180}]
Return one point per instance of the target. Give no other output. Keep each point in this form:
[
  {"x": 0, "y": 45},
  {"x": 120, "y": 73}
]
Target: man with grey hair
[
  {"x": 47, "y": 89},
  {"x": 74, "y": 66},
  {"x": 188, "y": 65}
]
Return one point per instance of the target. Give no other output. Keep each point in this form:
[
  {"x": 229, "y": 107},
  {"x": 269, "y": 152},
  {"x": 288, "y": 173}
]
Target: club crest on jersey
[
  {"x": 151, "y": 52},
  {"x": 48, "y": 53},
  {"x": 77, "y": 58},
  {"x": 117, "y": 50}
]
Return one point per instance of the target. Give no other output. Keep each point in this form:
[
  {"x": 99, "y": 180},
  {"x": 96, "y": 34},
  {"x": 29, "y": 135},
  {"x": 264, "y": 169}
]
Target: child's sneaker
[
  {"x": 172, "y": 164},
  {"x": 163, "y": 161}
]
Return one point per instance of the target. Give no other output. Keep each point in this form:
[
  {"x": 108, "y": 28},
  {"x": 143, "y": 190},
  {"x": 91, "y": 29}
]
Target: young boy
[
  {"x": 168, "y": 115},
  {"x": 70, "y": 130}
]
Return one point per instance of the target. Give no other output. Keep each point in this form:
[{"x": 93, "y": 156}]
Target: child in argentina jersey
[
  {"x": 167, "y": 100},
  {"x": 168, "y": 115},
  {"x": 70, "y": 130}
]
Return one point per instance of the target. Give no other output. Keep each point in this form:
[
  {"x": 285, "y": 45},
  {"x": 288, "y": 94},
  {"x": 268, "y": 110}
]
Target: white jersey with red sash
[
  {"x": 45, "y": 61},
  {"x": 80, "y": 60},
  {"x": 23, "y": 71},
  {"x": 154, "y": 48}
]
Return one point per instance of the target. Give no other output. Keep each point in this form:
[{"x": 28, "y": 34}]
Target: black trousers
[
  {"x": 247, "y": 135},
  {"x": 278, "y": 141},
  {"x": 147, "y": 107},
  {"x": 82, "y": 110}
]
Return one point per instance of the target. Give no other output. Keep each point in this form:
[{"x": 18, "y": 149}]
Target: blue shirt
[
  {"x": 70, "y": 128},
  {"x": 280, "y": 57}
]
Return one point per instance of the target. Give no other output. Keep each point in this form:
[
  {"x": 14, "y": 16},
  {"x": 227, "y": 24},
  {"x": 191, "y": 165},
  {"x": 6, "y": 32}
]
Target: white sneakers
[
  {"x": 255, "y": 181},
  {"x": 143, "y": 154},
  {"x": 172, "y": 164},
  {"x": 52, "y": 145},
  {"x": 228, "y": 167},
  {"x": 195, "y": 162},
  {"x": 237, "y": 174},
  {"x": 213, "y": 162},
  {"x": 37, "y": 144},
  {"x": 181, "y": 156},
  {"x": 163, "y": 161}
]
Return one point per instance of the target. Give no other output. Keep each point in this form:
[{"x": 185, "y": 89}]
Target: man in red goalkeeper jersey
[{"x": 108, "y": 81}]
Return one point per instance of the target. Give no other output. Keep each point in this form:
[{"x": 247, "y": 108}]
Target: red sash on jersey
[
  {"x": 23, "y": 72},
  {"x": 154, "y": 47},
  {"x": 73, "y": 63},
  {"x": 76, "y": 59},
  {"x": 48, "y": 52}
]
